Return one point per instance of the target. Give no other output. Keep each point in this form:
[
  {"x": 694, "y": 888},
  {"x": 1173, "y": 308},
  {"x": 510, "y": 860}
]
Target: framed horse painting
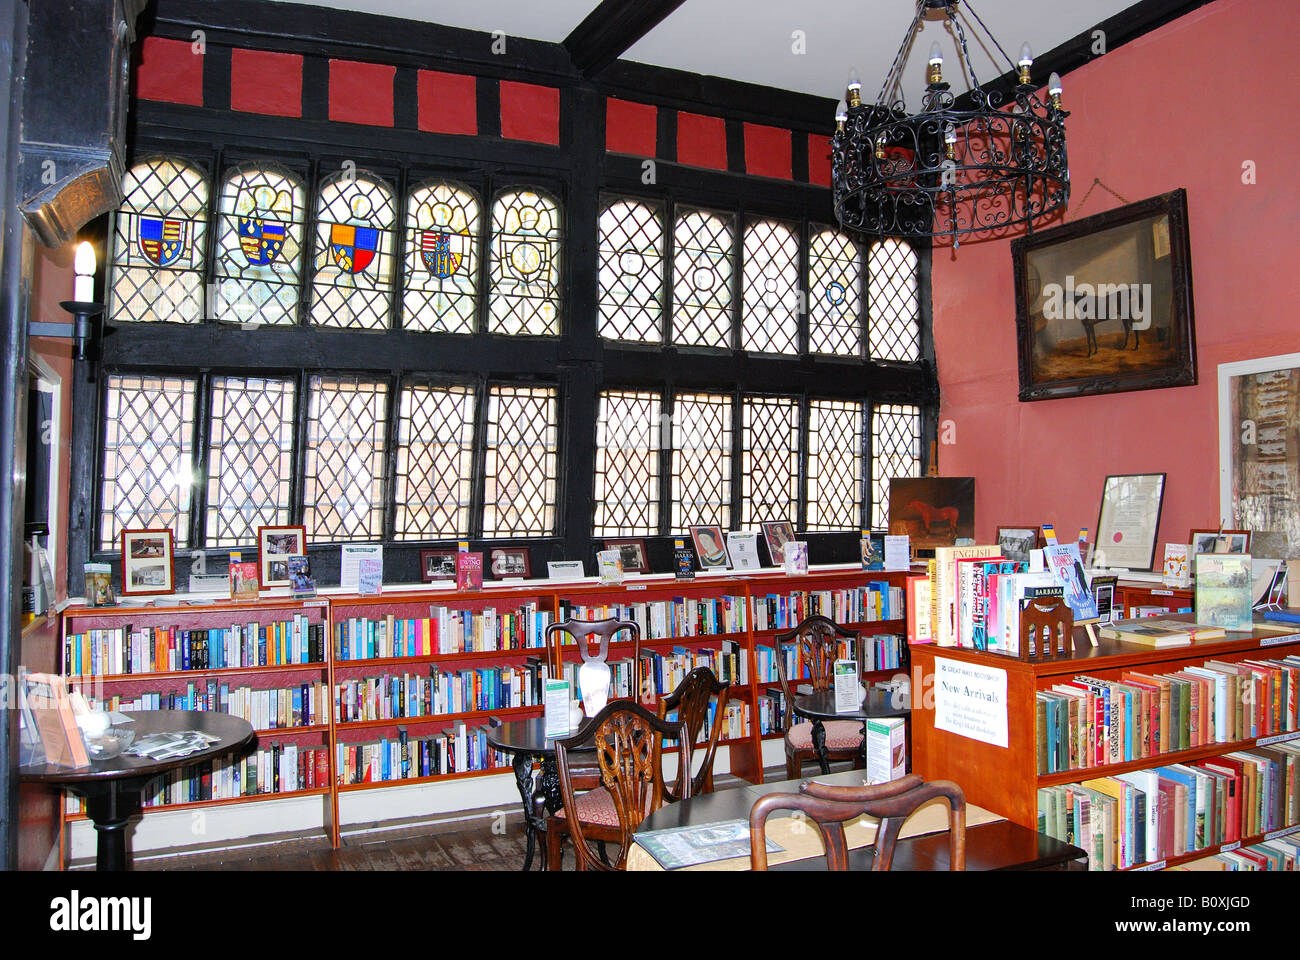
[
  {"x": 932, "y": 511},
  {"x": 1104, "y": 304}
]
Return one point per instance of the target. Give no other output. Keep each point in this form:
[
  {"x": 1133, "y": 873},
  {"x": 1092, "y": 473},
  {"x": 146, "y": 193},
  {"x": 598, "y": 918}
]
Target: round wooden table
[
  {"x": 820, "y": 706},
  {"x": 113, "y": 788}
]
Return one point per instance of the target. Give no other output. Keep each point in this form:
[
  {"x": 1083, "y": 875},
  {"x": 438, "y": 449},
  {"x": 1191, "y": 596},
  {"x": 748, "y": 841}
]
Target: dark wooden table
[
  {"x": 113, "y": 788},
  {"x": 1000, "y": 845},
  {"x": 820, "y": 706},
  {"x": 527, "y": 741}
]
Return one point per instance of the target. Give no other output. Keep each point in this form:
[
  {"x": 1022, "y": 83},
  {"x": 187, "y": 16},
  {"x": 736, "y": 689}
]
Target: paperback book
[
  {"x": 469, "y": 571},
  {"x": 1223, "y": 590}
]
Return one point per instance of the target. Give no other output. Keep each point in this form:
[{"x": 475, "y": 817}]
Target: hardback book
[
  {"x": 244, "y": 580},
  {"x": 919, "y": 627},
  {"x": 1064, "y": 561},
  {"x": 943, "y": 597},
  {"x": 1149, "y": 633},
  {"x": 469, "y": 571},
  {"x": 1223, "y": 582}
]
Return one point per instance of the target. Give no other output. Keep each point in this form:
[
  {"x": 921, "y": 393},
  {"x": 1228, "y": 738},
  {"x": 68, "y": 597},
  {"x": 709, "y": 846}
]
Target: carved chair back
[
  {"x": 817, "y": 643},
  {"x": 582, "y": 632},
  {"x": 691, "y": 701}
]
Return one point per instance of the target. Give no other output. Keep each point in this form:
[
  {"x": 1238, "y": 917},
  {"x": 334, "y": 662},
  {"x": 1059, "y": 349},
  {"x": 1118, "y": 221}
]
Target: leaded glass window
[
  {"x": 343, "y": 470},
  {"x": 519, "y": 473},
  {"x": 631, "y": 272},
  {"x": 525, "y": 265},
  {"x": 353, "y": 261},
  {"x": 147, "y": 480},
  {"x": 250, "y": 458},
  {"x": 259, "y": 245},
  {"x": 895, "y": 452},
  {"x": 769, "y": 460},
  {"x": 894, "y": 328},
  {"x": 703, "y": 268},
  {"x": 834, "y": 294},
  {"x": 770, "y": 317},
  {"x": 701, "y": 460},
  {"x": 627, "y": 464},
  {"x": 834, "y": 465},
  {"x": 442, "y": 259},
  {"x": 435, "y": 461},
  {"x": 159, "y": 239}
]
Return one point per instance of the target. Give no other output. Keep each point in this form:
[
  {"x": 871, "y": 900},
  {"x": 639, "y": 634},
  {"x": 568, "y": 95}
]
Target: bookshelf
[
  {"x": 1006, "y": 779},
  {"x": 1132, "y": 594}
]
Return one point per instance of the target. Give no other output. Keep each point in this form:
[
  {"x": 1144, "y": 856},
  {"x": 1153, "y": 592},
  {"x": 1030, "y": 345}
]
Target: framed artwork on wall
[
  {"x": 1219, "y": 541},
  {"x": 932, "y": 511},
  {"x": 1016, "y": 540},
  {"x": 710, "y": 546},
  {"x": 633, "y": 552},
  {"x": 146, "y": 562},
  {"x": 1104, "y": 304},
  {"x": 1129, "y": 521},
  {"x": 437, "y": 565},
  {"x": 275, "y": 546}
]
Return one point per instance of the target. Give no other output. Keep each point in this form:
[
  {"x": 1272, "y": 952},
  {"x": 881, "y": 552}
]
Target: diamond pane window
[
  {"x": 159, "y": 238},
  {"x": 834, "y": 465},
  {"x": 631, "y": 272},
  {"x": 627, "y": 465},
  {"x": 895, "y": 452},
  {"x": 250, "y": 458},
  {"x": 893, "y": 304},
  {"x": 770, "y": 322},
  {"x": 769, "y": 460},
  {"x": 834, "y": 294},
  {"x": 353, "y": 261},
  {"x": 435, "y": 461},
  {"x": 259, "y": 245},
  {"x": 148, "y": 450},
  {"x": 343, "y": 472},
  {"x": 442, "y": 257},
  {"x": 701, "y": 460},
  {"x": 519, "y": 473},
  {"x": 703, "y": 268},
  {"x": 525, "y": 267}
]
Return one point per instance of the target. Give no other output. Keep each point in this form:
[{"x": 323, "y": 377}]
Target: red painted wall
[{"x": 1184, "y": 106}]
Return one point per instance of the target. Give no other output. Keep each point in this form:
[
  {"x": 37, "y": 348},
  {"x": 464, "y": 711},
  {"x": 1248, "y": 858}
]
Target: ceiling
[{"x": 753, "y": 40}]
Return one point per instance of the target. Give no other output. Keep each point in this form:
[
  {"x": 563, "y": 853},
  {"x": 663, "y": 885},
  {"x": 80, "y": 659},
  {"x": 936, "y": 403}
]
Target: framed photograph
[
  {"x": 710, "y": 546},
  {"x": 1104, "y": 304},
  {"x": 146, "y": 562},
  {"x": 1129, "y": 520},
  {"x": 1016, "y": 540},
  {"x": 932, "y": 511},
  {"x": 509, "y": 562},
  {"x": 437, "y": 565},
  {"x": 635, "y": 558},
  {"x": 1219, "y": 541},
  {"x": 1259, "y": 452},
  {"x": 776, "y": 534},
  {"x": 275, "y": 546}
]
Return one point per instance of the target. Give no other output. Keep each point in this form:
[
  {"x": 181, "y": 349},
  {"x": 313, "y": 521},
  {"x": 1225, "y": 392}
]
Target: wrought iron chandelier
[{"x": 979, "y": 164}]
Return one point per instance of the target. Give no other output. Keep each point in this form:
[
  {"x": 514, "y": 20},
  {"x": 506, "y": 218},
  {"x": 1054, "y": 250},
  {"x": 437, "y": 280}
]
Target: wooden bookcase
[
  {"x": 1006, "y": 779},
  {"x": 1130, "y": 594}
]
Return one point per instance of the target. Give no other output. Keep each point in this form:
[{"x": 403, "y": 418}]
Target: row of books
[
  {"x": 407, "y": 695},
  {"x": 667, "y": 619},
  {"x": 305, "y": 705},
  {"x": 407, "y": 758},
  {"x": 765, "y": 660},
  {"x": 883, "y": 651},
  {"x": 666, "y": 671},
  {"x": 735, "y": 721},
  {"x": 125, "y": 650},
  {"x": 1163, "y": 812},
  {"x": 1276, "y": 853},
  {"x": 444, "y": 631},
  {"x": 872, "y": 602},
  {"x": 1090, "y": 722}
]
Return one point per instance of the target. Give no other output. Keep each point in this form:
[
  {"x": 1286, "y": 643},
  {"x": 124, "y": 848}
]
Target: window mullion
[
  {"x": 478, "y": 499},
  {"x": 802, "y": 461},
  {"x": 737, "y": 460},
  {"x": 391, "y": 418},
  {"x": 298, "y": 462},
  {"x": 202, "y": 441}
]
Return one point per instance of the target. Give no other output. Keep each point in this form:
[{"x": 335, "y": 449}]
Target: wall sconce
[{"x": 85, "y": 311}]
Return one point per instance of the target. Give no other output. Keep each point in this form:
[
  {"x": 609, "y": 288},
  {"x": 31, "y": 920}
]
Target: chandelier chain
[
  {"x": 895, "y": 71},
  {"x": 975, "y": 13}
]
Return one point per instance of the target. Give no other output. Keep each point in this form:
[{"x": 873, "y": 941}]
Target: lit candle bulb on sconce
[{"x": 83, "y": 264}]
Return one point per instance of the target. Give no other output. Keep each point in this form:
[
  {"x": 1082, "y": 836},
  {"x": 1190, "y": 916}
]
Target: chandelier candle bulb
[
  {"x": 935, "y": 72},
  {"x": 853, "y": 90},
  {"x": 1054, "y": 89},
  {"x": 841, "y": 115},
  {"x": 1026, "y": 61}
]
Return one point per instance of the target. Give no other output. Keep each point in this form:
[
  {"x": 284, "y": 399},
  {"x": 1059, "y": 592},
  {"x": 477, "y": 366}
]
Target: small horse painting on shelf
[{"x": 932, "y": 511}]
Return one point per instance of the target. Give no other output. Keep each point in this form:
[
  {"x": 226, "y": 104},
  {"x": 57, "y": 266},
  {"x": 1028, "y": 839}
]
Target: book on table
[{"x": 675, "y": 847}]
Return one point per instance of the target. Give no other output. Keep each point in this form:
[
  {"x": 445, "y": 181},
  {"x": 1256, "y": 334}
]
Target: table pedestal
[
  {"x": 110, "y": 805},
  {"x": 540, "y": 798}
]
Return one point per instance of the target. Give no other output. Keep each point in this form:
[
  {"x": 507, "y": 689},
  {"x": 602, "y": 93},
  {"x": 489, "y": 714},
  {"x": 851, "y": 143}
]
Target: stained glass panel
[
  {"x": 834, "y": 294},
  {"x": 770, "y": 321},
  {"x": 353, "y": 261},
  {"x": 159, "y": 238},
  {"x": 893, "y": 304},
  {"x": 834, "y": 465},
  {"x": 895, "y": 452},
  {"x": 442, "y": 259},
  {"x": 631, "y": 272},
  {"x": 703, "y": 268},
  {"x": 525, "y": 267},
  {"x": 519, "y": 474},
  {"x": 701, "y": 460},
  {"x": 769, "y": 460},
  {"x": 435, "y": 461},
  {"x": 250, "y": 458},
  {"x": 259, "y": 246},
  {"x": 627, "y": 464},
  {"x": 148, "y": 457},
  {"x": 343, "y": 470}
]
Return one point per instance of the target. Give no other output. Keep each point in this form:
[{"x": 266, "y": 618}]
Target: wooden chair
[
  {"x": 831, "y": 807},
  {"x": 629, "y": 756},
  {"x": 691, "y": 701},
  {"x": 817, "y": 641}
]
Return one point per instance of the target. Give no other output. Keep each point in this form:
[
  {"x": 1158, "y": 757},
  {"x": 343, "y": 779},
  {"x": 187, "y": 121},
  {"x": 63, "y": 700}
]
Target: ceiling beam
[{"x": 611, "y": 29}]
